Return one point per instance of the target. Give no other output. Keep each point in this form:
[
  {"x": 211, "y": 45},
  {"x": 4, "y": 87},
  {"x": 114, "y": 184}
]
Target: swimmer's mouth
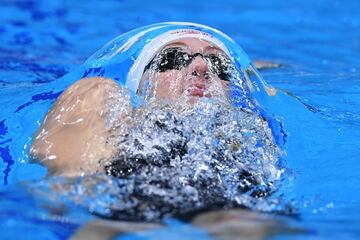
[{"x": 198, "y": 90}]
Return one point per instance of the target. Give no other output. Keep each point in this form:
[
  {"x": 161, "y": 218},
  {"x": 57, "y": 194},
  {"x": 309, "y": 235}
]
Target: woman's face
[{"x": 189, "y": 68}]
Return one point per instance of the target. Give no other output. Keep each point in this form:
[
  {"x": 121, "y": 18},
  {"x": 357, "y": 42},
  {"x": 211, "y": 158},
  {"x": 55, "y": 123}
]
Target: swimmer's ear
[{"x": 263, "y": 65}]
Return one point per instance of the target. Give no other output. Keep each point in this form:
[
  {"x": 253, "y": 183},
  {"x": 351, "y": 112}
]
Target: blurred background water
[{"x": 317, "y": 41}]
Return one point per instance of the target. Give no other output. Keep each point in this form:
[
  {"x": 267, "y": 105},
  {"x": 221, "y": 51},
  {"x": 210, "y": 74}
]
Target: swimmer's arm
[
  {"x": 220, "y": 224},
  {"x": 73, "y": 137},
  {"x": 263, "y": 65}
]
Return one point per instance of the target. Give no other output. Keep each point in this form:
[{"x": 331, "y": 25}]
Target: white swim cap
[{"x": 147, "y": 54}]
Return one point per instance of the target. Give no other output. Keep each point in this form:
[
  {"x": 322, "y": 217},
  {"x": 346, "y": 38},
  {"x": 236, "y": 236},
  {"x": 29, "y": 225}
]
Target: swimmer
[
  {"x": 169, "y": 120},
  {"x": 74, "y": 138},
  {"x": 184, "y": 67}
]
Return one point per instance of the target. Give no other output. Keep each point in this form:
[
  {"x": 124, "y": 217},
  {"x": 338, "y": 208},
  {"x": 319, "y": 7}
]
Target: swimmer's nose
[{"x": 199, "y": 68}]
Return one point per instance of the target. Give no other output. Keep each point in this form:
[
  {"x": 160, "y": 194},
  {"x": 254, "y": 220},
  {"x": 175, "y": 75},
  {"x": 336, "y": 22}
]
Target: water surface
[{"x": 318, "y": 43}]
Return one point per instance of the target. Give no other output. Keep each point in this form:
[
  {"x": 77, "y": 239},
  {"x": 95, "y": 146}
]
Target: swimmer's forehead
[{"x": 194, "y": 45}]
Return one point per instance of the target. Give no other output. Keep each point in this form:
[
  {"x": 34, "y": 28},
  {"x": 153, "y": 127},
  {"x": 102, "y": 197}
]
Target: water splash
[{"x": 173, "y": 162}]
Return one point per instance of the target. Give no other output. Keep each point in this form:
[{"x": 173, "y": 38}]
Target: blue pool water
[{"x": 317, "y": 41}]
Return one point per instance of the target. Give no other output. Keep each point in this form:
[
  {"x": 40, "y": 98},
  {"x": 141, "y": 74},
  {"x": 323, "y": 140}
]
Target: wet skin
[
  {"x": 193, "y": 81},
  {"x": 74, "y": 138}
]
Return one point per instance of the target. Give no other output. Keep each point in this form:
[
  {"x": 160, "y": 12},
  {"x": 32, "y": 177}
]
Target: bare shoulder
[
  {"x": 89, "y": 87},
  {"x": 84, "y": 96},
  {"x": 73, "y": 136},
  {"x": 93, "y": 82}
]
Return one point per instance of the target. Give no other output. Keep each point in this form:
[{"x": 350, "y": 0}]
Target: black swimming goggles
[{"x": 176, "y": 58}]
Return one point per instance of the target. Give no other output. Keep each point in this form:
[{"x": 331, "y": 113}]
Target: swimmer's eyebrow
[{"x": 176, "y": 44}]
